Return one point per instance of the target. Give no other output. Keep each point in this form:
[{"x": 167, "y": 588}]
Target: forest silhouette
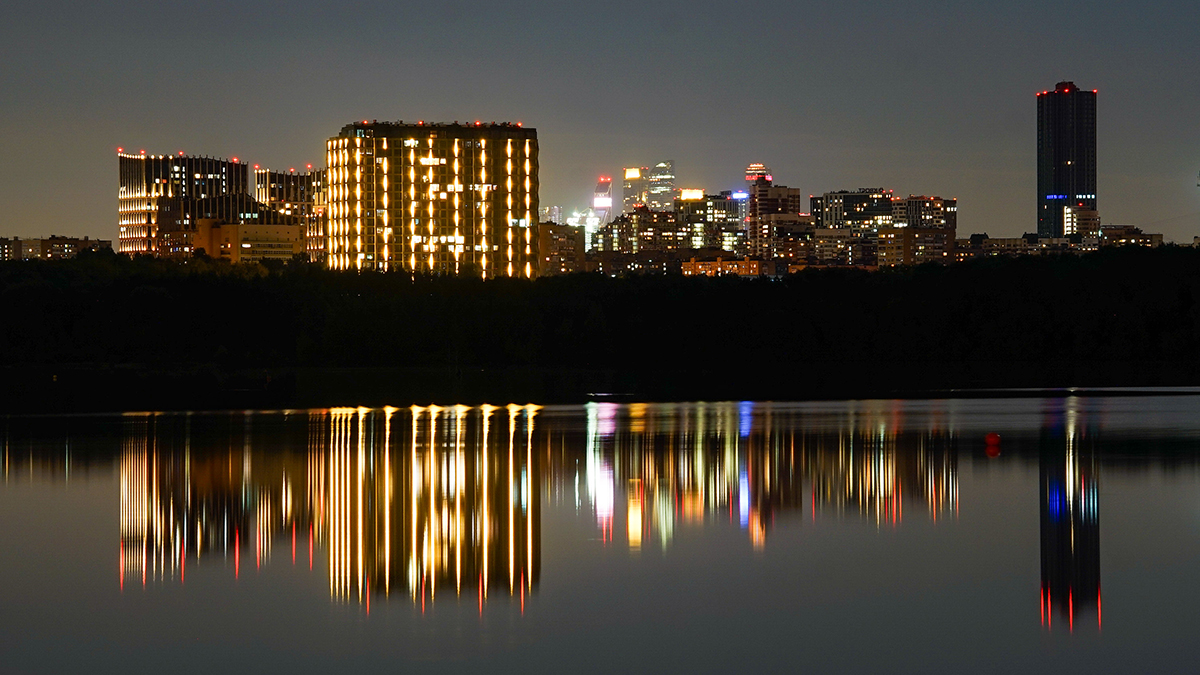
[{"x": 106, "y": 331}]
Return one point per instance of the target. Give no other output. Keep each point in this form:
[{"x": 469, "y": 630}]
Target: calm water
[{"x": 879, "y": 536}]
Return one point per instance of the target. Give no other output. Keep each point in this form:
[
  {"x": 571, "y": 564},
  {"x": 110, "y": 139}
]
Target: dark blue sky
[{"x": 926, "y": 97}]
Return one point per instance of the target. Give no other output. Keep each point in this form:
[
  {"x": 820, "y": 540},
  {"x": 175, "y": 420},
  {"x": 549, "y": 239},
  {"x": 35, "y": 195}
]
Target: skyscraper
[
  {"x": 602, "y": 199},
  {"x": 1066, "y": 155},
  {"x": 441, "y": 198},
  {"x": 652, "y": 187},
  {"x": 661, "y": 188}
]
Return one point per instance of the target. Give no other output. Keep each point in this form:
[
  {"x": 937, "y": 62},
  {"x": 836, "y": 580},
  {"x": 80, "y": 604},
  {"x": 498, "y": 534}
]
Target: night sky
[{"x": 921, "y": 97}]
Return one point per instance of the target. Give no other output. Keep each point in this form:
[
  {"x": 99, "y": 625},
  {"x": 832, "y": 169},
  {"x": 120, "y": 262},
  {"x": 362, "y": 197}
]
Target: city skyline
[{"x": 953, "y": 115}]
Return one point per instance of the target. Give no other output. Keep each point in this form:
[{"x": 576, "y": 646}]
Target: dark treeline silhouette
[{"x": 108, "y": 331}]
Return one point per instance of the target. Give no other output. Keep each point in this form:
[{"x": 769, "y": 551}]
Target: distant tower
[
  {"x": 1066, "y": 155},
  {"x": 661, "y": 190},
  {"x": 756, "y": 172},
  {"x": 602, "y": 199}
]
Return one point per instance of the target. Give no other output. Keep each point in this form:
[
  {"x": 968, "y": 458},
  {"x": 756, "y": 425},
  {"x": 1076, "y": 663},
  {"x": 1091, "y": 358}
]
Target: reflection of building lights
[
  {"x": 634, "y": 513},
  {"x": 425, "y": 502}
]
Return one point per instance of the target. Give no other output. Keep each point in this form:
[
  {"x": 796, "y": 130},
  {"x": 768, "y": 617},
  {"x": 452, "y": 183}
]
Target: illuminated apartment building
[
  {"x": 145, "y": 182},
  {"x": 53, "y": 247},
  {"x": 562, "y": 248},
  {"x": 435, "y": 198},
  {"x": 715, "y": 221},
  {"x": 768, "y": 200},
  {"x": 922, "y": 230}
]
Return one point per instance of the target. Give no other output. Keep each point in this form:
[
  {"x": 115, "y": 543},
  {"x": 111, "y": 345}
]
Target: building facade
[
  {"x": 767, "y": 202},
  {"x": 433, "y": 198},
  {"x": 53, "y": 247},
  {"x": 150, "y": 184},
  {"x": 562, "y": 248},
  {"x": 298, "y": 194},
  {"x": 714, "y": 221},
  {"x": 1066, "y": 155}
]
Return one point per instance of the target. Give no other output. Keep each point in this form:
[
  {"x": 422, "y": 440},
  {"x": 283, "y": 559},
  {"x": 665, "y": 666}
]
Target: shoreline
[{"x": 83, "y": 389}]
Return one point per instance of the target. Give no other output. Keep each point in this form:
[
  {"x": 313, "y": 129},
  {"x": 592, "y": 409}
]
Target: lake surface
[{"x": 866, "y": 536}]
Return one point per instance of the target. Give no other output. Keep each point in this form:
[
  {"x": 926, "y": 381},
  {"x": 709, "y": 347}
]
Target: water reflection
[
  {"x": 415, "y": 501},
  {"x": 685, "y": 464},
  {"x": 427, "y": 504},
  {"x": 1070, "y": 519}
]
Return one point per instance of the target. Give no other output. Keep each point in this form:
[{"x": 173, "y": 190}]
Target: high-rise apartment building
[
  {"x": 922, "y": 230},
  {"x": 865, "y": 209},
  {"x": 1066, "y": 172},
  {"x": 767, "y": 200},
  {"x": 715, "y": 221},
  {"x": 148, "y": 184},
  {"x": 439, "y": 198},
  {"x": 924, "y": 212},
  {"x": 561, "y": 247}
]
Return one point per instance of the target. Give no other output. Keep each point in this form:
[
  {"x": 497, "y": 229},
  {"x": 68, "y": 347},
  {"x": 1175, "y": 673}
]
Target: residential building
[
  {"x": 562, "y": 248},
  {"x": 767, "y": 199},
  {"x": 914, "y": 245},
  {"x": 745, "y": 267},
  {"x": 714, "y": 221},
  {"x": 10, "y": 248},
  {"x": 53, "y": 247},
  {"x": 435, "y": 198},
  {"x": 145, "y": 182},
  {"x": 1128, "y": 235}
]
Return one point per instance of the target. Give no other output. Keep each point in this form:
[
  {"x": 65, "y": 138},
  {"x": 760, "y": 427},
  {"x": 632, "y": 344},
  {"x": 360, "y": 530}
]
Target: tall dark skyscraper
[{"x": 1066, "y": 155}]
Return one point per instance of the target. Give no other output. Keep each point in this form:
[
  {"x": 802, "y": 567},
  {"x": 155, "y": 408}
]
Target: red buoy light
[{"x": 993, "y": 444}]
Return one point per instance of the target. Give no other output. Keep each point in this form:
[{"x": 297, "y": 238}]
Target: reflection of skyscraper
[{"x": 1070, "y": 522}]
